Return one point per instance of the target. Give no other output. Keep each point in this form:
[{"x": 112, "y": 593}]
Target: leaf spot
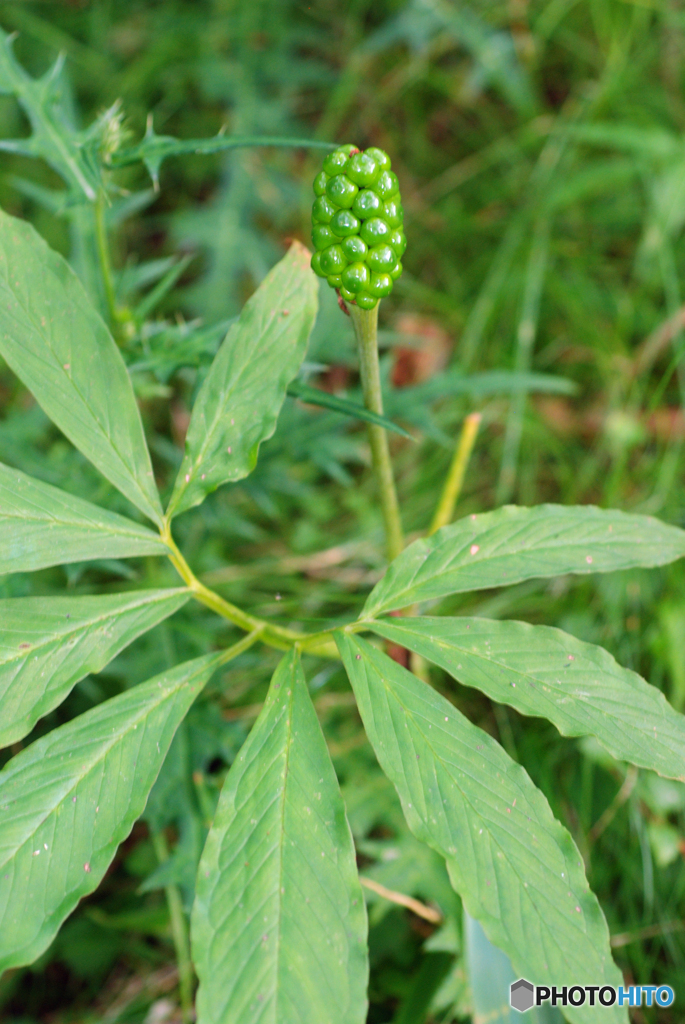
[
  {"x": 86, "y": 868},
  {"x": 474, "y": 549}
]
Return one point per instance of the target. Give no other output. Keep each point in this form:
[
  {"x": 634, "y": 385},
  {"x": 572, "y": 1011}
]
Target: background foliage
[{"x": 539, "y": 149}]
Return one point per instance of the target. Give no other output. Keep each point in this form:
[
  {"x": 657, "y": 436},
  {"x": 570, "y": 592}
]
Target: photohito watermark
[{"x": 523, "y": 995}]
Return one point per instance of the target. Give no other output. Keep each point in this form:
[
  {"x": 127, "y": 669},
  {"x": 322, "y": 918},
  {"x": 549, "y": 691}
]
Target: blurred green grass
[{"x": 540, "y": 151}]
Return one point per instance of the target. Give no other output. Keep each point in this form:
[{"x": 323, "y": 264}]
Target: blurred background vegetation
[{"x": 540, "y": 150}]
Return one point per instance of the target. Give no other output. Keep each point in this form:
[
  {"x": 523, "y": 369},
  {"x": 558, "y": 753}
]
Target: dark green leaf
[
  {"x": 154, "y": 149},
  {"x": 57, "y": 344},
  {"x": 516, "y": 868},
  {"x": 279, "y": 924},
  {"x": 514, "y": 544},
  {"x": 315, "y": 396},
  {"x": 41, "y": 525},
  {"x": 48, "y": 643},
  {"x": 68, "y": 800},
  {"x": 239, "y": 402},
  {"x": 53, "y": 136}
]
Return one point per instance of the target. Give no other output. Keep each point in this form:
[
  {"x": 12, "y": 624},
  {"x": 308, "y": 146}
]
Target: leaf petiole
[{"x": 275, "y": 636}]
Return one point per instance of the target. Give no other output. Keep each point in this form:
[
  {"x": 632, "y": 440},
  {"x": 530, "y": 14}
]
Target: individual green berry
[
  {"x": 323, "y": 210},
  {"x": 365, "y": 301},
  {"x": 380, "y": 285},
  {"x": 362, "y": 169},
  {"x": 356, "y": 277},
  {"x": 333, "y": 260},
  {"x": 387, "y": 185},
  {"x": 348, "y": 296},
  {"x": 335, "y": 162},
  {"x": 374, "y": 231},
  {"x": 341, "y": 191},
  {"x": 381, "y": 158},
  {"x": 396, "y": 271},
  {"x": 320, "y": 182},
  {"x": 366, "y": 204},
  {"x": 344, "y": 223},
  {"x": 316, "y": 264},
  {"x": 393, "y": 214},
  {"x": 399, "y": 242},
  {"x": 355, "y": 248},
  {"x": 382, "y": 258},
  {"x": 334, "y": 280},
  {"x": 322, "y": 236}
]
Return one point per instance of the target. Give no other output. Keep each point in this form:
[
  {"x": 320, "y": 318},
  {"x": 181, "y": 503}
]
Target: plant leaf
[
  {"x": 516, "y": 868},
  {"x": 53, "y": 136},
  {"x": 490, "y": 975},
  {"x": 60, "y": 348},
  {"x": 48, "y": 643},
  {"x": 68, "y": 800},
  {"x": 279, "y": 923},
  {"x": 41, "y": 525},
  {"x": 153, "y": 149},
  {"x": 545, "y": 672},
  {"x": 315, "y": 396},
  {"x": 513, "y": 544},
  {"x": 239, "y": 402}
]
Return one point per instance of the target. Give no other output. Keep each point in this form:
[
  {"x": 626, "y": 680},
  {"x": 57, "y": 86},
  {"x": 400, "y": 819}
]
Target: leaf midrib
[{"x": 281, "y": 845}]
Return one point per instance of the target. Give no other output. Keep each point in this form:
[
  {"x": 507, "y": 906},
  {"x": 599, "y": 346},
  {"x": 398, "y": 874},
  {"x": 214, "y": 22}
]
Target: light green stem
[
  {"x": 104, "y": 257},
  {"x": 179, "y": 931},
  {"x": 366, "y": 328},
  {"x": 455, "y": 477},
  {"x": 275, "y": 636}
]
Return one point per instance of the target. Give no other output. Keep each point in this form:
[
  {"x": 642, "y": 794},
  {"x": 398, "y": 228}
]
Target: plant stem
[
  {"x": 103, "y": 255},
  {"x": 366, "y": 328},
  {"x": 455, "y": 477},
  {"x": 242, "y": 645},
  {"x": 275, "y": 636},
  {"x": 179, "y": 931}
]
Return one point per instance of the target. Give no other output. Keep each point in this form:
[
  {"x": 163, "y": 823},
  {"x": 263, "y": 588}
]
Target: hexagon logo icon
[{"x": 521, "y": 995}]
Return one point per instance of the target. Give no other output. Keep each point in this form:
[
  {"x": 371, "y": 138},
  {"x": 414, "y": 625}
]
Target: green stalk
[
  {"x": 275, "y": 636},
  {"x": 103, "y": 256},
  {"x": 366, "y": 328},
  {"x": 455, "y": 477},
  {"x": 179, "y": 931}
]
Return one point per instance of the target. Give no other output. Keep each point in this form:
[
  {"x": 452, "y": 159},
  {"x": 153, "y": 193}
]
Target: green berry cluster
[{"x": 357, "y": 225}]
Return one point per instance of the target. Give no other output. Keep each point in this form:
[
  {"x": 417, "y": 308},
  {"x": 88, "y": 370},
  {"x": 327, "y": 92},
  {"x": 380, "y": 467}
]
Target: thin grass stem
[
  {"x": 179, "y": 932},
  {"x": 525, "y": 339},
  {"x": 444, "y": 513}
]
